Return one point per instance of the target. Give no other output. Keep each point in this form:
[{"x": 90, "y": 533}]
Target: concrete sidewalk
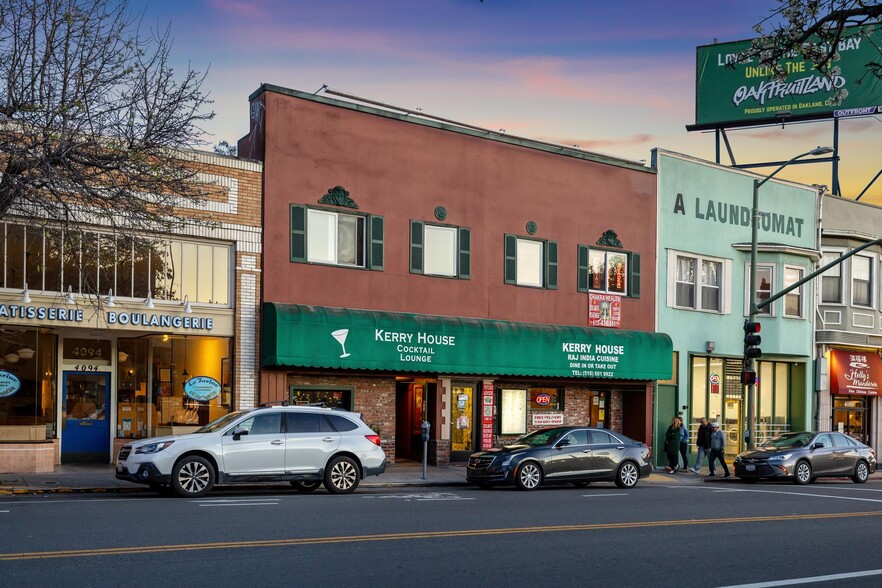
[{"x": 101, "y": 478}]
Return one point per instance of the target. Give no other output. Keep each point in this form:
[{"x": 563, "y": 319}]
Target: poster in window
[{"x": 604, "y": 310}]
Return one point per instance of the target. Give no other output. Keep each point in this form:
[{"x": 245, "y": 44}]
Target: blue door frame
[{"x": 85, "y": 433}]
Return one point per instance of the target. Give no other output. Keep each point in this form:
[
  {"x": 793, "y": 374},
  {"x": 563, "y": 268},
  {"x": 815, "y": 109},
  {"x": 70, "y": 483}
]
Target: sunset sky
[{"x": 612, "y": 77}]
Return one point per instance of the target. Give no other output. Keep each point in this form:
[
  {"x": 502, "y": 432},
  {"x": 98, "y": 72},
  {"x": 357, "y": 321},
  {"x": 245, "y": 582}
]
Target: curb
[{"x": 24, "y": 491}]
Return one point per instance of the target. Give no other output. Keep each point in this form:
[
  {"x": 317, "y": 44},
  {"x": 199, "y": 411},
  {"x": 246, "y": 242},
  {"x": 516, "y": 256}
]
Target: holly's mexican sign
[{"x": 734, "y": 94}]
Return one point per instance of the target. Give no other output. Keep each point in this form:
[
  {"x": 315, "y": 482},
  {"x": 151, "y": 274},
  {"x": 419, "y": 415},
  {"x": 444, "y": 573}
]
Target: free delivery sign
[{"x": 747, "y": 93}]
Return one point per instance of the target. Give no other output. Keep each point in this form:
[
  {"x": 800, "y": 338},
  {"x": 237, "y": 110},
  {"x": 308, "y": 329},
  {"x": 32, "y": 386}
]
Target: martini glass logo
[{"x": 340, "y": 335}]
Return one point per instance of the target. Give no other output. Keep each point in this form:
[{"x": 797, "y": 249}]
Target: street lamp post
[{"x": 750, "y": 364}]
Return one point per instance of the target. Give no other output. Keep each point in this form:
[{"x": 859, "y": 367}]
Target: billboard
[{"x": 745, "y": 93}]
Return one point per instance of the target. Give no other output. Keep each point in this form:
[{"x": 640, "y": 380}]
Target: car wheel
[
  {"x": 861, "y": 472},
  {"x": 193, "y": 476},
  {"x": 581, "y": 484},
  {"x": 528, "y": 476},
  {"x": 627, "y": 475},
  {"x": 803, "y": 473},
  {"x": 341, "y": 475},
  {"x": 305, "y": 485}
]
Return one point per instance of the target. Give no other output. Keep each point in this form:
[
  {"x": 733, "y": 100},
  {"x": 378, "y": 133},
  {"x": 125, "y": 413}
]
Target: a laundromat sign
[{"x": 9, "y": 384}]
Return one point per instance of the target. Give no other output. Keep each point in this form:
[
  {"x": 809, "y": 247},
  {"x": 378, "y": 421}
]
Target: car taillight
[
  {"x": 648, "y": 450},
  {"x": 375, "y": 439}
]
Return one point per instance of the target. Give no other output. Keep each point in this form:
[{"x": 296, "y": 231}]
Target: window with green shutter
[
  {"x": 440, "y": 250},
  {"x": 326, "y": 236},
  {"x": 531, "y": 262}
]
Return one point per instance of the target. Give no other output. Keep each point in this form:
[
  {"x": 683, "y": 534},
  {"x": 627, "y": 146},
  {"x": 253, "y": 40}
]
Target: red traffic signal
[
  {"x": 752, "y": 341},
  {"x": 748, "y": 378}
]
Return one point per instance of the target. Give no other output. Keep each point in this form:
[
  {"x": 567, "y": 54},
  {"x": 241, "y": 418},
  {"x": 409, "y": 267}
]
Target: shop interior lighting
[
  {"x": 186, "y": 304},
  {"x": 185, "y": 374},
  {"x": 123, "y": 356},
  {"x": 26, "y": 353},
  {"x": 109, "y": 302},
  {"x": 25, "y": 297},
  {"x": 11, "y": 357},
  {"x": 149, "y": 302},
  {"x": 69, "y": 297}
]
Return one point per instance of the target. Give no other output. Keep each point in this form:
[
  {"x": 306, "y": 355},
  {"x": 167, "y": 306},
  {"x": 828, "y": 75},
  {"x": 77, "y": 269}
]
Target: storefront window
[
  {"x": 546, "y": 399},
  {"x": 772, "y": 386},
  {"x": 461, "y": 414},
  {"x": 512, "y": 412},
  {"x": 598, "y": 411},
  {"x": 27, "y": 385},
  {"x": 330, "y": 398},
  {"x": 132, "y": 416},
  {"x": 177, "y": 360}
]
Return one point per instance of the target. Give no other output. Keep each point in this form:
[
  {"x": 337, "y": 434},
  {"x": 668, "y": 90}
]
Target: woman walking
[
  {"x": 672, "y": 444},
  {"x": 684, "y": 443}
]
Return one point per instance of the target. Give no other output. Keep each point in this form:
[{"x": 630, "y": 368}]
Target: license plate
[
  {"x": 750, "y": 467},
  {"x": 119, "y": 467}
]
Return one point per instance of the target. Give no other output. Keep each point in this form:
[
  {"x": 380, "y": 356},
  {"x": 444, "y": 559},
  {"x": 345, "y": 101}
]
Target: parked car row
[{"x": 313, "y": 446}]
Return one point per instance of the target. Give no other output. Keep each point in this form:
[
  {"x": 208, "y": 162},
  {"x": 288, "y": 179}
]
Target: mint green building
[{"x": 704, "y": 241}]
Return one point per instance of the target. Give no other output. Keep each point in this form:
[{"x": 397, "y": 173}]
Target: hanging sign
[
  {"x": 487, "y": 393},
  {"x": 9, "y": 384},
  {"x": 855, "y": 372},
  {"x": 202, "y": 388}
]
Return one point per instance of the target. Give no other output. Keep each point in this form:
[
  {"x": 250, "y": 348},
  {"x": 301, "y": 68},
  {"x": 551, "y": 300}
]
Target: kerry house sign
[{"x": 312, "y": 336}]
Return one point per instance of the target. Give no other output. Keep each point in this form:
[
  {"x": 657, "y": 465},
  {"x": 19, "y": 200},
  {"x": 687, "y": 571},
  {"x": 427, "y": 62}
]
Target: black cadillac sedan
[
  {"x": 577, "y": 455},
  {"x": 806, "y": 456}
]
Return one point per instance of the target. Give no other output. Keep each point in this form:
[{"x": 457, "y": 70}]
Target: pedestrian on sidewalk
[
  {"x": 684, "y": 443},
  {"x": 672, "y": 444},
  {"x": 703, "y": 443},
  {"x": 718, "y": 449}
]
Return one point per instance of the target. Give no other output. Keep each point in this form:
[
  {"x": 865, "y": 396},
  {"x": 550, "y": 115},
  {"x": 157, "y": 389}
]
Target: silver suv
[{"x": 305, "y": 445}]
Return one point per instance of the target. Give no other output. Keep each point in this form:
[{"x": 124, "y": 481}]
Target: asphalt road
[{"x": 653, "y": 535}]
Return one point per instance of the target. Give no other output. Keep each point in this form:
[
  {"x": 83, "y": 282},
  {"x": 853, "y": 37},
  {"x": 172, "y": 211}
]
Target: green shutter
[
  {"x": 298, "y": 232},
  {"x": 583, "y": 273},
  {"x": 634, "y": 278},
  {"x": 551, "y": 265},
  {"x": 376, "y": 242},
  {"x": 511, "y": 259},
  {"x": 416, "y": 247},
  {"x": 464, "y": 270}
]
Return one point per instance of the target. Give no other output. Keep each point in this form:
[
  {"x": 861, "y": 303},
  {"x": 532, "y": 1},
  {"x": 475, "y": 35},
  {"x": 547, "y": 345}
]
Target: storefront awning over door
[{"x": 320, "y": 337}]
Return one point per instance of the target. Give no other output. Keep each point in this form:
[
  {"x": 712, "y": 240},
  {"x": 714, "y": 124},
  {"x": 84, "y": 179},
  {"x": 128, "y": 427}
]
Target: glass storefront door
[
  {"x": 732, "y": 428},
  {"x": 462, "y": 414},
  {"x": 849, "y": 417},
  {"x": 85, "y": 435}
]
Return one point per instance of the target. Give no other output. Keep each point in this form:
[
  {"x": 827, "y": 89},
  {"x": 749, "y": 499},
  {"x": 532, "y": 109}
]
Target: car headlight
[
  {"x": 506, "y": 460},
  {"x": 737, "y": 459},
  {"x": 153, "y": 447},
  {"x": 784, "y": 457}
]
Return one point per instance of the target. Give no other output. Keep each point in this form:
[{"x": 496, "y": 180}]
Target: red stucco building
[{"x": 417, "y": 269}]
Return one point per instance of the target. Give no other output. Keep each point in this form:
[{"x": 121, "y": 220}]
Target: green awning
[{"x": 319, "y": 337}]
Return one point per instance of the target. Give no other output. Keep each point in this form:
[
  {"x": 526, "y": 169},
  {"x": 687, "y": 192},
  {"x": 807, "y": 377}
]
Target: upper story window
[
  {"x": 335, "y": 238},
  {"x": 53, "y": 260},
  {"x": 765, "y": 277},
  {"x": 614, "y": 272},
  {"x": 530, "y": 262},
  {"x": 440, "y": 250},
  {"x": 697, "y": 282},
  {"x": 831, "y": 280},
  {"x": 793, "y": 300},
  {"x": 862, "y": 280}
]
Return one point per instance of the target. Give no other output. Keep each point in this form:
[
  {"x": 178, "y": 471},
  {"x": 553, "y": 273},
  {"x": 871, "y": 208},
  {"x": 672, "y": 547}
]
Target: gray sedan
[
  {"x": 806, "y": 456},
  {"x": 576, "y": 455}
]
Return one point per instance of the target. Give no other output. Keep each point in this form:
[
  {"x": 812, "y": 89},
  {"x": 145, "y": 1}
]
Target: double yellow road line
[{"x": 148, "y": 549}]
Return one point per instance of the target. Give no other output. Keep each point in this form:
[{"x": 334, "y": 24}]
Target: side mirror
[
  {"x": 818, "y": 445},
  {"x": 564, "y": 443},
  {"x": 238, "y": 432}
]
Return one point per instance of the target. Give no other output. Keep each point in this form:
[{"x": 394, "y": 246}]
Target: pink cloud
[
  {"x": 237, "y": 8},
  {"x": 638, "y": 139}
]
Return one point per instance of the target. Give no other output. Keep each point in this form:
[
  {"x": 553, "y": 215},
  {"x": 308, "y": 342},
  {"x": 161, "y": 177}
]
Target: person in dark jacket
[
  {"x": 703, "y": 443},
  {"x": 672, "y": 444}
]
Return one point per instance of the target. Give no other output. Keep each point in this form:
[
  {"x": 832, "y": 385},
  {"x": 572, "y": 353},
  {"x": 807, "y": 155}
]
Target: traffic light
[
  {"x": 748, "y": 377},
  {"x": 752, "y": 340}
]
